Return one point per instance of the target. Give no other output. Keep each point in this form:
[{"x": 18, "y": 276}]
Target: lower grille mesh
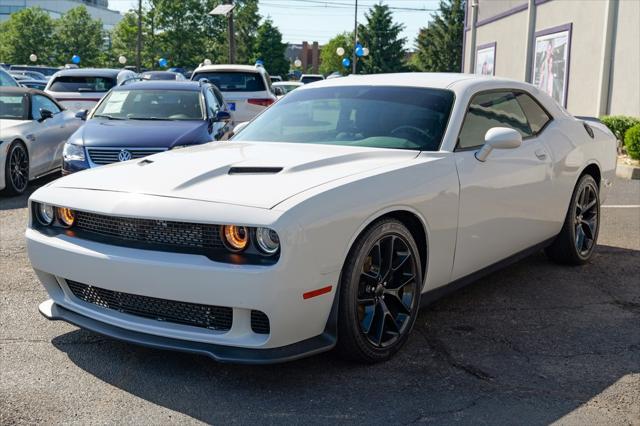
[
  {"x": 205, "y": 316},
  {"x": 260, "y": 322}
]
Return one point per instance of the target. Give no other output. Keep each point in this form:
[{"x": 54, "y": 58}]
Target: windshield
[
  {"x": 13, "y": 107},
  {"x": 287, "y": 87},
  {"x": 228, "y": 81},
  {"x": 7, "y": 80},
  {"x": 151, "y": 105},
  {"x": 81, "y": 84},
  {"x": 377, "y": 117}
]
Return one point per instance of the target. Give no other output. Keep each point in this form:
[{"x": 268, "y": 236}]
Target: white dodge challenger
[{"x": 326, "y": 222}]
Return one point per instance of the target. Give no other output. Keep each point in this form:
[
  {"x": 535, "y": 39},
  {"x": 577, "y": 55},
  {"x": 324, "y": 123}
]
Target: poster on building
[
  {"x": 551, "y": 63},
  {"x": 486, "y": 59}
]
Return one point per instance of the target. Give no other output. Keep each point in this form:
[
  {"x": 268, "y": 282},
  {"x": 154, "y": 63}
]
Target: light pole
[
  {"x": 139, "y": 41},
  {"x": 355, "y": 38},
  {"x": 226, "y": 9}
]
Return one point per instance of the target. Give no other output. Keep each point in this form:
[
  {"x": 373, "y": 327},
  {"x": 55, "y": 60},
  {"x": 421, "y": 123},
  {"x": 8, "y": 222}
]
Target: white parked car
[
  {"x": 327, "y": 221},
  {"x": 33, "y": 130},
  {"x": 246, "y": 89},
  {"x": 82, "y": 88}
]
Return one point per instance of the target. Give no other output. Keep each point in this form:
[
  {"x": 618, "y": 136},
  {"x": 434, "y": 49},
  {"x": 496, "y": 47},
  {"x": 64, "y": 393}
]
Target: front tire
[
  {"x": 577, "y": 240},
  {"x": 16, "y": 169},
  {"x": 379, "y": 293}
]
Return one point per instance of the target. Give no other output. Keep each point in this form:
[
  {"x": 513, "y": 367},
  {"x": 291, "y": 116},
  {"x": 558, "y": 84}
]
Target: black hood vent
[{"x": 254, "y": 170}]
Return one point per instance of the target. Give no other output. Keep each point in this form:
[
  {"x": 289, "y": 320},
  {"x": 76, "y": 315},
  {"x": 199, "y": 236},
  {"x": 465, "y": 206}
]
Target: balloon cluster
[{"x": 359, "y": 50}]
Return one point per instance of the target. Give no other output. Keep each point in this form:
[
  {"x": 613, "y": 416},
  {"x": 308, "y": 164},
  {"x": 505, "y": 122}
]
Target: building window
[
  {"x": 486, "y": 59},
  {"x": 551, "y": 62}
]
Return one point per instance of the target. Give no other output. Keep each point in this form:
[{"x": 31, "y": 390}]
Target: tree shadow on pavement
[{"x": 531, "y": 344}]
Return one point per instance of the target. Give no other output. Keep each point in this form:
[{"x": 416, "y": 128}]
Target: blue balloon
[
  {"x": 163, "y": 62},
  {"x": 259, "y": 62},
  {"x": 358, "y": 46},
  {"x": 359, "y": 51},
  {"x": 346, "y": 62},
  {"x": 75, "y": 59}
]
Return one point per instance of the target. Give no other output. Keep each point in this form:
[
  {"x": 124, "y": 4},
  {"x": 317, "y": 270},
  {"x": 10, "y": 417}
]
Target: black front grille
[
  {"x": 205, "y": 316},
  {"x": 181, "y": 236},
  {"x": 260, "y": 322}
]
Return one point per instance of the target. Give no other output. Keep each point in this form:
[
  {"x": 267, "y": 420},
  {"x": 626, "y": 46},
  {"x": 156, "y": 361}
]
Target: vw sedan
[{"x": 326, "y": 222}]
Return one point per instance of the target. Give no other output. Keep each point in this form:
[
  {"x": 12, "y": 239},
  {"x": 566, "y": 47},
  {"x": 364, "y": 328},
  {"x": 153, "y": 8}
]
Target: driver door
[
  {"x": 502, "y": 200},
  {"x": 47, "y": 137}
]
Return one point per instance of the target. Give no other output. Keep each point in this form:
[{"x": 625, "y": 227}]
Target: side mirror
[
  {"x": 44, "y": 114},
  {"x": 82, "y": 115},
  {"x": 223, "y": 116},
  {"x": 498, "y": 138},
  {"x": 278, "y": 91},
  {"x": 238, "y": 128}
]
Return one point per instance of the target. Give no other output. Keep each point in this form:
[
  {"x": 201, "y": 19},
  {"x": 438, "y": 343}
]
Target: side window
[
  {"x": 537, "y": 117},
  {"x": 39, "y": 102},
  {"x": 212, "y": 103},
  {"x": 487, "y": 110}
]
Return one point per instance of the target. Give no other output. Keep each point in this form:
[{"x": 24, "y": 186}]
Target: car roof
[
  {"x": 412, "y": 79},
  {"x": 287, "y": 83},
  {"x": 161, "y": 85},
  {"x": 94, "y": 72},
  {"x": 160, "y": 72},
  {"x": 11, "y": 90},
  {"x": 229, "y": 67}
]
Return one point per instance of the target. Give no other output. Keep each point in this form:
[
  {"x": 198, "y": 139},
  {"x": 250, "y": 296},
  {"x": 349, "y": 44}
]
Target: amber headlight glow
[
  {"x": 66, "y": 216},
  {"x": 235, "y": 238}
]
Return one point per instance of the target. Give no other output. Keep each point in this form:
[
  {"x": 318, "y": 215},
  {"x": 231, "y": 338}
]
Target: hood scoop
[{"x": 254, "y": 170}]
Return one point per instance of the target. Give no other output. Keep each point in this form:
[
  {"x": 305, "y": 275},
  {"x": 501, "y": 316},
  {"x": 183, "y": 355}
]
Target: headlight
[
  {"x": 73, "y": 152},
  {"x": 45, "y": 214},
  {"x": 66, "y": 216},
  {"x": 267, "y": 240},
  {"x": 235, "y": 238}
]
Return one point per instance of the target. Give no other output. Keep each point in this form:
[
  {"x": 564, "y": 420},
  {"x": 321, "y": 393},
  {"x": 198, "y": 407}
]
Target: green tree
[
  {"x": 246, "y": 22},
  {"x": 25, "y": 32},
  {"x": 439, "y": 45},
  {"x": 124, "y": 37},
  {"x": 79, "y": 34},
  {"x": 382, "y": 37},
  {"x": 270, "y": 49},
  {"x": 329, "y": 59}
]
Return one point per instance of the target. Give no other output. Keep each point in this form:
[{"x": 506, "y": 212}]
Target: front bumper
[
  {"x": 50, "y": 310},
  {"x": 298, "y": 327}
]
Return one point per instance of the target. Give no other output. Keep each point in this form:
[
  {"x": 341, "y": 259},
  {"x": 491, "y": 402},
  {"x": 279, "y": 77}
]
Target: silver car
[{"x": 33, "y": 130}]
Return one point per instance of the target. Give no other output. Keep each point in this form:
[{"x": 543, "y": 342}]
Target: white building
[
  {"x": 584, "y": 53},
  {"x": 98, "y": 9}
]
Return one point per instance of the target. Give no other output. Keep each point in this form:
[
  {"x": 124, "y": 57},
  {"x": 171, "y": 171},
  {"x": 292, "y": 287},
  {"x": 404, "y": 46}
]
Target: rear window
[
  {"x": 82, "y": 84},
  {"x": 228, "y": 81},
  {"x": 310, "y": 79}
]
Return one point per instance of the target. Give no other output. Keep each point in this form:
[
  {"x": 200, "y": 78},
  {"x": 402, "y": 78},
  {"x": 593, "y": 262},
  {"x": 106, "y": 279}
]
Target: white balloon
[
  {"x": 122, "y": 60},
  {"x": 365, "y": 51},
  {"x": 297, "y": 63},
  {"x": 340, "y": 51},
  {"x": 207, "y": 61},
  {"x": 33, "y": 57}
]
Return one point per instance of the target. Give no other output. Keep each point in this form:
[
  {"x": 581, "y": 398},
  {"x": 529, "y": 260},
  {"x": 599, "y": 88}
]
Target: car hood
[
  {"x": 242, "y": 173},
  {"x": 142, "y": 133}
]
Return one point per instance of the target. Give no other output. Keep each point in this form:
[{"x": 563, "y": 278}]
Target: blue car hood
[{"x": 143, "y": 133}]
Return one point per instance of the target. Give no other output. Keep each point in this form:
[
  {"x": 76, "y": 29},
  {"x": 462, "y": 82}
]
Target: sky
[{"x": 320, "y": 20}]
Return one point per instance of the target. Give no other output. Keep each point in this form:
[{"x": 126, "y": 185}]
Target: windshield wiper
[
  {"x": 108, "y": 117},
  {"x": 150, "y": 118}
]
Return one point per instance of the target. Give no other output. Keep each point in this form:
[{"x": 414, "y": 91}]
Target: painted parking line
[{"x": 621, "y": 206}]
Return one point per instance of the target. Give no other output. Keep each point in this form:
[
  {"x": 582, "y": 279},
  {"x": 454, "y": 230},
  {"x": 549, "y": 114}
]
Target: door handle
[{"x": 541, "y": 154}]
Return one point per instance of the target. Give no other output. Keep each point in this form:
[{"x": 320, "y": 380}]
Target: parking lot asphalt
[{"x": 534, "y": 343}]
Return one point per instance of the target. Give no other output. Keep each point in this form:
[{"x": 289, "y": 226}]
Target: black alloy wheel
[
  {"x": 17, "y": 169},
  {"x": 379, "y": 293},
  {"x": 577, "y": 240}
]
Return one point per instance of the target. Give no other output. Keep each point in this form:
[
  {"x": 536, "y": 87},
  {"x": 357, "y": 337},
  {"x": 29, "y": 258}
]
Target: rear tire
[
  {"x": 577, "y": 239},
  {"x": 16, "y": 169},
  {"x": 379, "y": 293}
]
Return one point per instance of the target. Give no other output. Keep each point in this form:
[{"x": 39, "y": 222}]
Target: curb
[{"x": 626, "y": 171}]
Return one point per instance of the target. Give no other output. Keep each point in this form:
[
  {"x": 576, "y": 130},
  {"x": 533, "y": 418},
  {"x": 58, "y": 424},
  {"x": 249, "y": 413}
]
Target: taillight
[{"x": 261, "y": 102}]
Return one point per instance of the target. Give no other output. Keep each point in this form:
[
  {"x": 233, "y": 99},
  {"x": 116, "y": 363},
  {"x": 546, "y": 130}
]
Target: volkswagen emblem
[{"x": 124, "y": 155}]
